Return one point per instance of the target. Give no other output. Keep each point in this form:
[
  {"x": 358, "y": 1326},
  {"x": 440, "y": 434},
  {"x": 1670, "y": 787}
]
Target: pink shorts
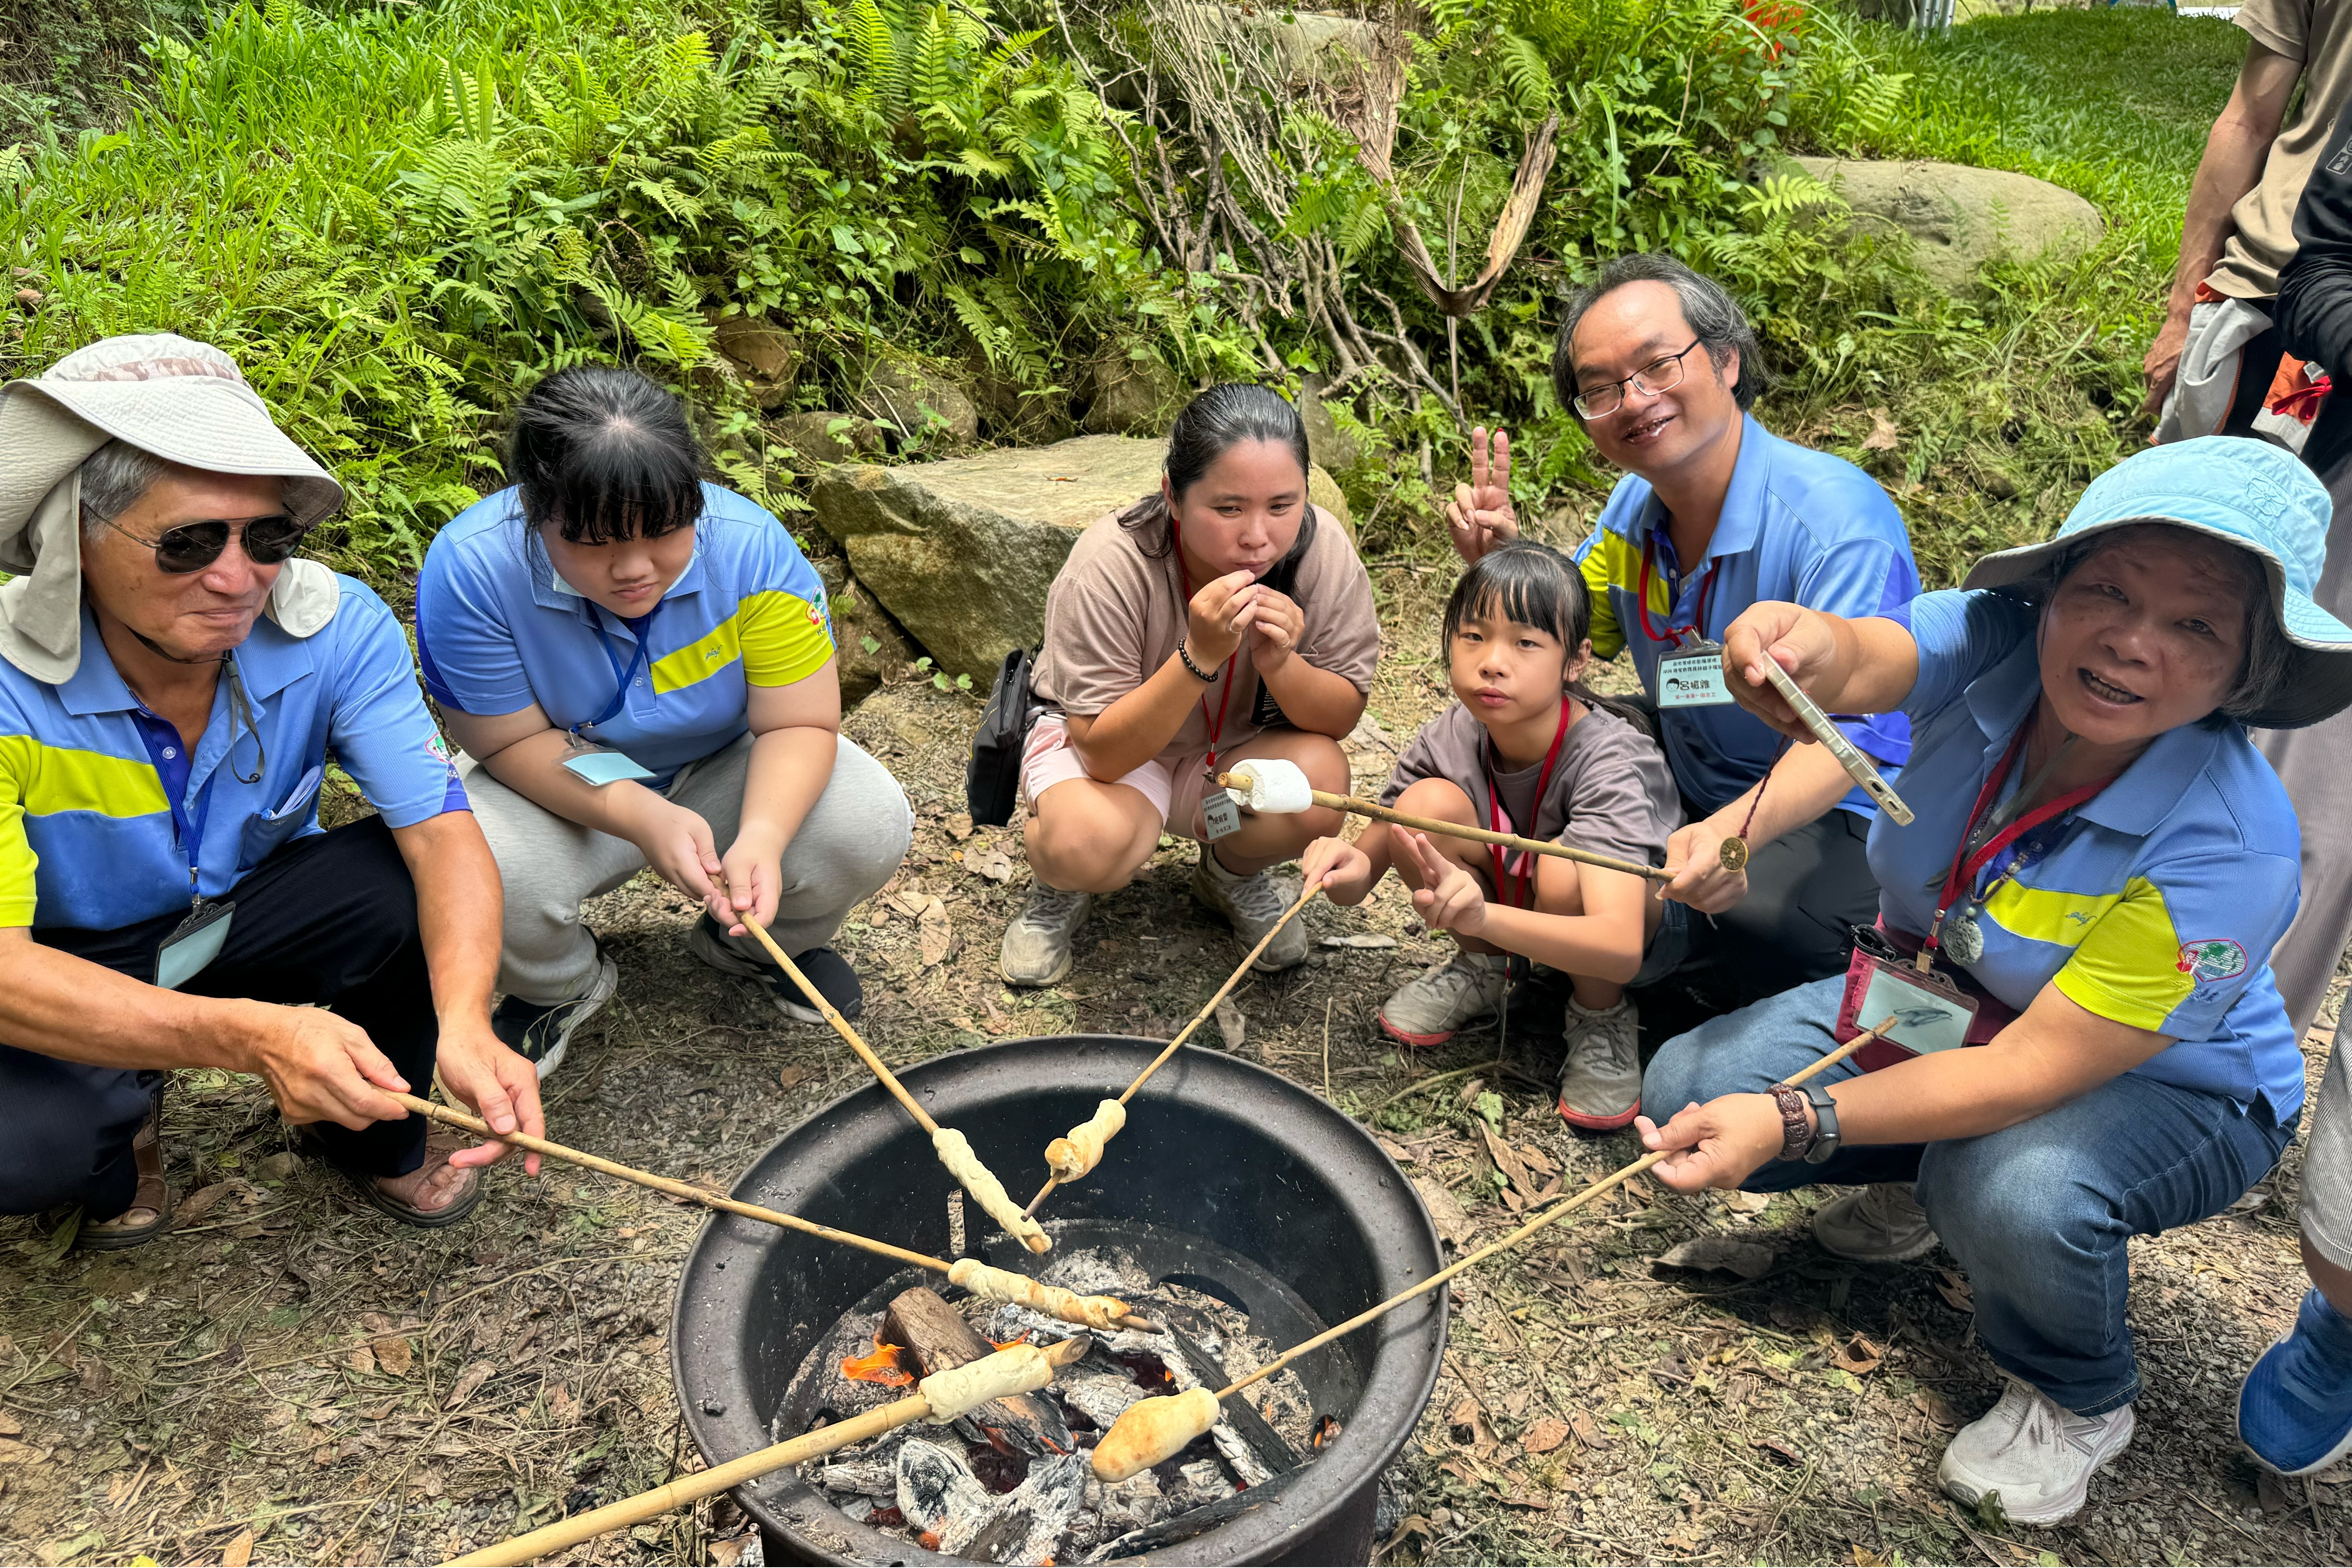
[{"x": 1049, "y": 759}]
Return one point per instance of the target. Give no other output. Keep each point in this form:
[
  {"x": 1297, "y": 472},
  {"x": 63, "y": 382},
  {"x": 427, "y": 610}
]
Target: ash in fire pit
[{"x": 1011, "y": 1482}]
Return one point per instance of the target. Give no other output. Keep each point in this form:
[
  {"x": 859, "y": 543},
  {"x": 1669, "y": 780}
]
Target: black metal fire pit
[{"x": 1303, "y": 1222}]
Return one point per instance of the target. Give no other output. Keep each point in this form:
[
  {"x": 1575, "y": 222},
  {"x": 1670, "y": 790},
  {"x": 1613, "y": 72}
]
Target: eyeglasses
[
  {"x": 1659, "y": 376},
  {"x": 192, "y": 546}
]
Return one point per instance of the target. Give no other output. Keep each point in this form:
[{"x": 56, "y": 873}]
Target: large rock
[
  {"x": 858, "y": 618},
  {"x": 766, "y": 357},
  {"x": 1959, "y": 217},
  {"x": 814, "y": 439},
  {"x": 1130, "y": 395},
  {"x": 920, "y": 400},
  {"x": 962, "y": 552}
]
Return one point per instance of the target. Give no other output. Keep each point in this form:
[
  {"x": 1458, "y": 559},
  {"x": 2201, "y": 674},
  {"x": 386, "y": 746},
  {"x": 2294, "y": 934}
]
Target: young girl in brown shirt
[{"x": 1526, "y": 749}]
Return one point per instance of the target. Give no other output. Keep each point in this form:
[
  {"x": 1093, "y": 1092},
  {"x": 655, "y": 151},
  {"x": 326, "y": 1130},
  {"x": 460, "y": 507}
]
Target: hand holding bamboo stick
[
  {"x": 1152, "y": 1430},
  {"x": 939, "y": 1398}
]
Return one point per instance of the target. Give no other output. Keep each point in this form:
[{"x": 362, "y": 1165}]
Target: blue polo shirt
[
  {"x": 2155, "y": 903},
  {"x": 87, "y": 776},
  {"x": 1797, "y": 525},
  {"x": 497, "y": 630}
]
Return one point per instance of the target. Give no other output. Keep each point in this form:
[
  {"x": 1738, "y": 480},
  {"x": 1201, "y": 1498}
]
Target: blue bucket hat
[{"x": 2245, "y": 492}]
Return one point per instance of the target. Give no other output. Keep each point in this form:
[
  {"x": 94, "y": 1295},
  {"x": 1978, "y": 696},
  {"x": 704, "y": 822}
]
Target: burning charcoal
[
  {"x": 1130, "y": 1505},
  {"x": 857, "y": 1509},
  {"x": 862, "y": 1477},
  {"x": 1205, "y": 1483},
  {"x": 1030, "y": 1520},
  {"x": 1101, "y": 1400},
  {"x": 935, "y": 1488}
]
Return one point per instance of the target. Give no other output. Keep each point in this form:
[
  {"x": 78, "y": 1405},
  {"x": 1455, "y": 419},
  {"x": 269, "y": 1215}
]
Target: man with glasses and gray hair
[
  {"x": 172, "y": 683},
  {"x": 1715, "y": 513}
]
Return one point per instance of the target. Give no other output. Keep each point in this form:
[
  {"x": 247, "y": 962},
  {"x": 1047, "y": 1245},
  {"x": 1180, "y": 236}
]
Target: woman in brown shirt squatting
[{"x": 1222, "y": 618}]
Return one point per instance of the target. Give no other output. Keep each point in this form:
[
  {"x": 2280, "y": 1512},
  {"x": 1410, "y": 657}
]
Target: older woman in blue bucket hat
[{"x": 2100, "y": 865}]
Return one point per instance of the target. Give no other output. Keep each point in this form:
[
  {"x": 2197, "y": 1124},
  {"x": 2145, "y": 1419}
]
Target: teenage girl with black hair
[
  {"x": 1527, "y": 748},
  {"x": 1220, "y": 619}
]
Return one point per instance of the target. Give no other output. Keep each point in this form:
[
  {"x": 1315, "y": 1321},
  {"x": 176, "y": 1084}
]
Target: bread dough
[
  {"x": 1072, "y": 1157},
  {"x": 1154, "y": 1430},
  {"x": 954, "y": 1151},
  {"x": 1020, "y": 1370},
  {"x": 1002, "y": 1285}
]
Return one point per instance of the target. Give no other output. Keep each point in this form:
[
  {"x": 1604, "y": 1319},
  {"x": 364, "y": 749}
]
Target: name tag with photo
[{"x": 1692, "y": 679}]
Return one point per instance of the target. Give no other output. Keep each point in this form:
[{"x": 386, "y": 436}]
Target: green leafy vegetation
[{"x": 400, "y": 218}]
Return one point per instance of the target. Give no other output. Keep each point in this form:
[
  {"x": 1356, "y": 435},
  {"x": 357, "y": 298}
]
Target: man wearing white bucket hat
[{"x": 171, "y": 685}]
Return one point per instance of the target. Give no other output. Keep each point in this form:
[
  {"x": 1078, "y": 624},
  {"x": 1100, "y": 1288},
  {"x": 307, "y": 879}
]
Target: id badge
[
  {"x": 193, "y": 944},
  {"x": 1692, "y": 677},
  {"x": 599, "y": 765},
  {"x": 1931, "y": 1014},
  {"x": 1221, "y": 814}
]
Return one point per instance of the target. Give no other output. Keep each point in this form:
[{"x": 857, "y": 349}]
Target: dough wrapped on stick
[
  {"x": 1271, "y": 786},
  {"x": 954, "y": 1151},
  {"x": 1154, "y": 1430},
  {"x": 1072, "y": 1157},
  {"x": 1018, "y": 1369},
  {"x": 1105, "y": 1312}
]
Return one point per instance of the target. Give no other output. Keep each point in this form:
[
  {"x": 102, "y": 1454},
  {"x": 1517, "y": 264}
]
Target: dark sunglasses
[{"x": 192, "y": 546}]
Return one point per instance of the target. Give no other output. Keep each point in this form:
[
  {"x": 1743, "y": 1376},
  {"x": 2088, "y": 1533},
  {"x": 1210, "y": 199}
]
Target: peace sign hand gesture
[{"x": 1479, "y": 518}]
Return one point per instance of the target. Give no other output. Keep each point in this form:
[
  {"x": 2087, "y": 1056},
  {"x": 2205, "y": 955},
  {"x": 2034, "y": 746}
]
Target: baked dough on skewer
[
  {"x": 1151, "y": 1431},
  {"x": 1072, "y": 1157},
  {"x": 1107, "y": 1314},
  {"x": 954, "y": 1151}
]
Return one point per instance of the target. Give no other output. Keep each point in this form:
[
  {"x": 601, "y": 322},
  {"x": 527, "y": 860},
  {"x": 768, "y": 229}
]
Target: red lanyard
[
  {"x": 1964, "y": 866},
  {"x": 1500, "y": 820},
  {"x": 1183, "y": 575},
  {"x": 1672, "y": 633}
]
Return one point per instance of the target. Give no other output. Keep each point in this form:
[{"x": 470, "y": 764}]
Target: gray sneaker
[
  {"x": 1446, "y": 998},
  {"x": 540, "y": 1034},
  {"x": 1601, "y": 1081},
  {"x": 1037, "y": 945},
  {"x": 2035, "y": 1455},
  {"x": 1254, "y": 904},
  {"x": 1881, "y": 1223}
]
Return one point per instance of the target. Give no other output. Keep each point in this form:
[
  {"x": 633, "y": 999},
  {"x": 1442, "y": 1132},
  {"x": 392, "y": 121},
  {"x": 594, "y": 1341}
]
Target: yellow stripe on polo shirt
[
  {"x": 48, "y": 780},
  {"x": 699, "y": 659},
  {"x": 2126, "y": 964},
  {"x": 17, "y": 864},
  {"x": 785, "y": 638},
  {"x": 2049, "y": 914},
  {"x": 1602, "y": 567}
]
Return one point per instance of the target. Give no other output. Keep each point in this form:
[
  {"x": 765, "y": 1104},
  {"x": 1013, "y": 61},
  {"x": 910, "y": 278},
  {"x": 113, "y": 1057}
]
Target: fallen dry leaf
[
  {"x": 199, "y": 1203},
  {"x": 1739, "y": 1202},
  {"x": 1469, "y": 1415},
  {"x": 10, "y": 1427},
  {"x": 238, "y": 1553},
  {"x": 14, "y": 1453},
  {"x": 472, "y": 1378},
  {"x": 1862, "y": 1558},
  {"x": 992, "y": 863},
  {"x": 1545, "y": 1436},
  {"x": 1507, "y": 1160},
  {"x": 1748, "y": 1259},
  {"x": 1445, "y": 1210},
  {"x": 1884, "y": 433},
  {"x": 1954, "y": 1288},
  {"x": 1233, "y": 1024},
  {"x": 792, "y": 1078},
  {"x": 728, "y": 1553},
  {"x": 1936, "y": 1408},
  {"x": 937, "y": 936},
  {"x": 1537, "y": 1159},
  {"x": 1858, "y": 1356},
  {"x": 1780, "y": 1449},
  {"x": 361, "y": 1360},
  {"x": 1394, "y": 1152},
  {"x": 393, "y": 1355},
  {"x": 1588, "y": 1432},
  {"x": 960, "y": 826}
]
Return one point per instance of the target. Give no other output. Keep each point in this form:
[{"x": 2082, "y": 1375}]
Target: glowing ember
[
  {"x": 1325, "y": 1430},
  {"x": 881, "y": 1367}
]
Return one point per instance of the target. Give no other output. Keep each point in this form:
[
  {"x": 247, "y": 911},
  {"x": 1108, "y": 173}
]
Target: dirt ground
[{"x": 287, "y": 1377}]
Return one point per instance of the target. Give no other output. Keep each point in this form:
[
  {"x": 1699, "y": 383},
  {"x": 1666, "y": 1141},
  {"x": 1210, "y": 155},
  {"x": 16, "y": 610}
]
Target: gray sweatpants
[
  {"x": 851, "y": 840},
  {"x": 2316, "y": 765}
]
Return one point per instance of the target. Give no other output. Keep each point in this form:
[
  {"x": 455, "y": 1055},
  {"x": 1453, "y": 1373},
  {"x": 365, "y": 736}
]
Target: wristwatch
[{"x": 1825, "y": 1138}]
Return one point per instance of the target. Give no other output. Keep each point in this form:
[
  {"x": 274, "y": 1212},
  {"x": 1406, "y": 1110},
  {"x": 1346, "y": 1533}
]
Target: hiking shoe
[
  {"x": 541, "y": 1035},
  {"x": 2296, "y": 1410},
  {"x": 825, "y": 969},
  {"x": 1037, "y": 945},
  {"x": 2038, "y": 1459},
  {"x": 1601, "y": 1081},
  {"x": 1881, "y": 1223},
  {"x": 1444, "y": 998},
  {"x": 1254, "y": 904}
]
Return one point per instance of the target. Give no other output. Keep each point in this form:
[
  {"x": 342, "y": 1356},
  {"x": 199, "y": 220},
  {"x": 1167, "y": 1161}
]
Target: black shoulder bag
[{"x": 991, "y": 779}]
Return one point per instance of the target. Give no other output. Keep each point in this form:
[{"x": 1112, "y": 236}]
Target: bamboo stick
[
  {"x": 535, "y": 1544},
  {"x": 1208, "y": 1009},
  {"x": 1356, "y": 806}
]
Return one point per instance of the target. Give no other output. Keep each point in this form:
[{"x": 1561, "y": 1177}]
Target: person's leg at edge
[
  {"x": 2041, "y": 1214},
  {"x": 1601, "y": 1066},
  {"x": 1083, "y": 837},
  {"x": 1806, "y": 893},
  {"x": 68, "y": 1135},
  {"x": 2294, "y": 1410},
  {"x": 1234, "y": 878},
  {"x": 1455, "y": 992}
]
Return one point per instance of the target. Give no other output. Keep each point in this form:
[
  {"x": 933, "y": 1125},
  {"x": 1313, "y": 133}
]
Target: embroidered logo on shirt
[{"x": 2213, "y": 960}]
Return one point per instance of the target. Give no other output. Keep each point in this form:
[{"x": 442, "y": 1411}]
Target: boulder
[
  {"x": 1130, "y": 397},
  {"x": 1309, "y": 46},
  {"x": 920, "y": 400},
  {"x": 962, "y": 552},
  {"x": 858, "y": 618},
  {"x": 765, "y": 356},
  {"x": 1011, "y": 414},
  {"x": 1959, "y": 217},
  {"x": 812, "y": 437},
  {"x": 1330, "y": 446}
]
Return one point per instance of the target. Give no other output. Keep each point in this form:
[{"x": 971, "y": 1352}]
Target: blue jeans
[{"x": 2038, "y": 1213}]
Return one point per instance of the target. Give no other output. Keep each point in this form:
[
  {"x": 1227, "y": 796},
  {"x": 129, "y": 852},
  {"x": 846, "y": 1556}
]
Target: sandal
[
  {"x": 151, "y": 1195},
  {"x": 439, "y": 1146}
]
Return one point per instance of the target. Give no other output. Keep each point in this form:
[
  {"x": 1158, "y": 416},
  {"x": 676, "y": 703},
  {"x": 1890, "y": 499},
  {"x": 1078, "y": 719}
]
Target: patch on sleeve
[{"x": 2211, "y": 959}]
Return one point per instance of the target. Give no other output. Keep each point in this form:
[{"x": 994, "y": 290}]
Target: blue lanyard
[
  {"x": 643, "y": 625},
  {"x": 189, "y": 827}
]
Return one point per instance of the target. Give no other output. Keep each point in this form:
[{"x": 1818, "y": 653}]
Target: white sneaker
[
  {"x": 1253, "y": 903},
  {"x": 2038, "y": 1459},
  {"x": 1038, "y": 943},
  {"x": 1434, "y": 1006},
  {"x": 1883, "y": 1223},
  {"x": 1601, "y": 1081}
]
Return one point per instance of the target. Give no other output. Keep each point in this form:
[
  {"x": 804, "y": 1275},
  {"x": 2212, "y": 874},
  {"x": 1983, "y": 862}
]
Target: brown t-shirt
[
  {"x": 1611, "y": 791},
  {"x": 2318, "y": 34},
  {"x": 1114, "y": 616}
]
